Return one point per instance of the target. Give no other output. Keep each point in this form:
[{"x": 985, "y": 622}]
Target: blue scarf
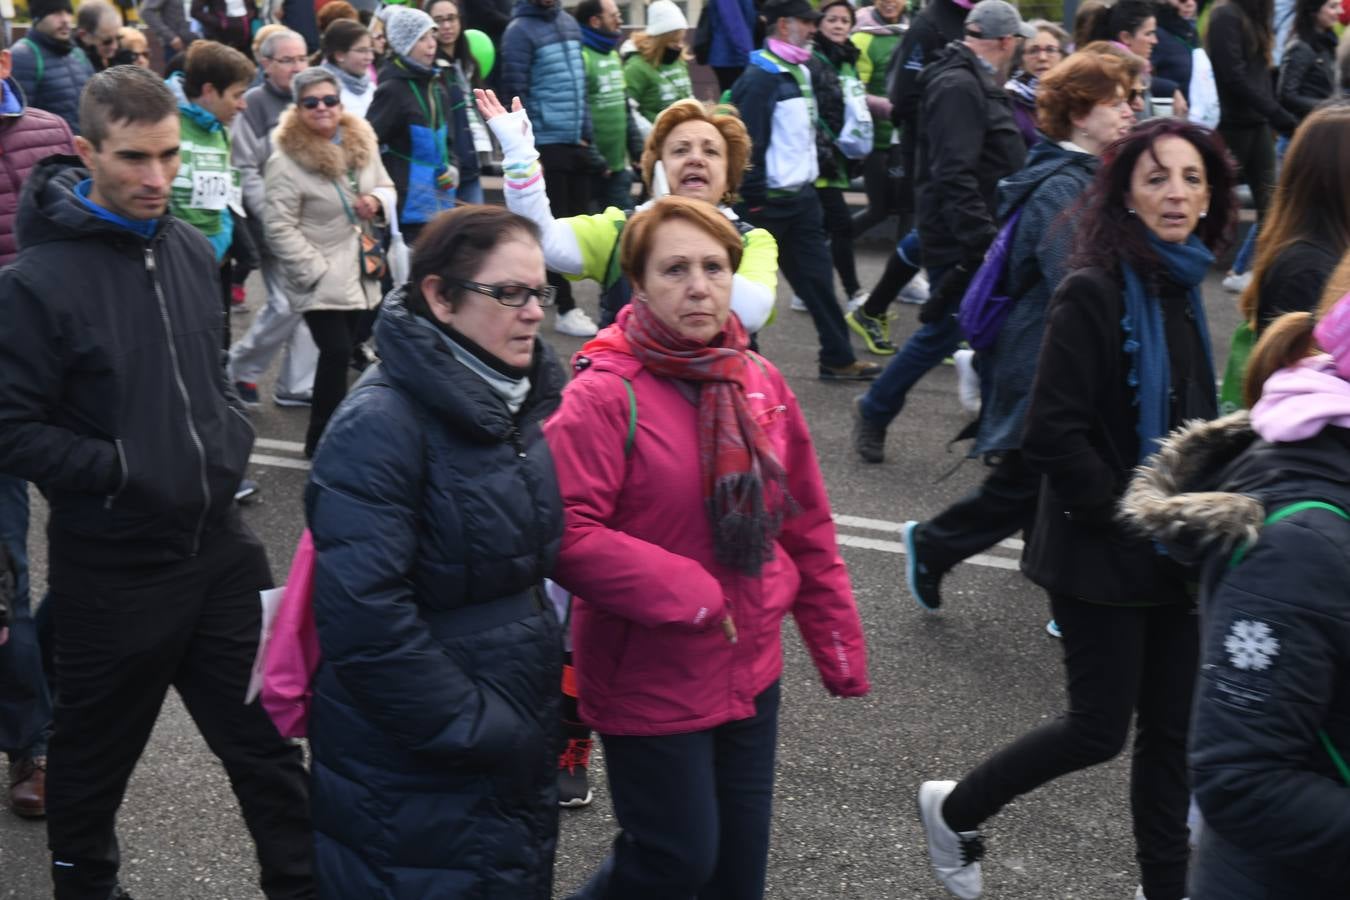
[
  {"x": 1146, "y": 338},
  {"x": 600, "y": 41},
  {"x": 142, "y": 228}
]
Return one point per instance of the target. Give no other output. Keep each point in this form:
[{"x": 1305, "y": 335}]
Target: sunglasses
[
  {"x": 509, "y": 294},
  {"x": 328, "y": 100}
]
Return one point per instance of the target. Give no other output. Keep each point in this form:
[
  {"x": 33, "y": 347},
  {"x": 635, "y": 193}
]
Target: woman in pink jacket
[{"x": 695, "y": 520}]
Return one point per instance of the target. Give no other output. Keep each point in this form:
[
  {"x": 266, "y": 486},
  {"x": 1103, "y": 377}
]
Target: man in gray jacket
[{"x": 275, "y": 327}]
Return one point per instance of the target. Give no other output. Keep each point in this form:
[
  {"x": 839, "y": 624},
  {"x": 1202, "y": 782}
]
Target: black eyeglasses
[
  {"x": 329, "y": 100},
  {"x": 509, "y": 294}
]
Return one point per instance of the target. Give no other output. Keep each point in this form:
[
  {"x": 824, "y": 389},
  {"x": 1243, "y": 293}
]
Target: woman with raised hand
[
  {"x": 325, "y": 189},
  {"x": 436, "y": 517},
  {"x": 693, "y": 151},
  {"x": 1125, "y": 358},
  {"x": 1260, "y": 503},
  {"x": 1307, "y": 230},
  {"x": 696, "y": 519}
]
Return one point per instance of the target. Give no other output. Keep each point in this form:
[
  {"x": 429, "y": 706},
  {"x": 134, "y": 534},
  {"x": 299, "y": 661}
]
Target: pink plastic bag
[{"x": 292, "y": 654}]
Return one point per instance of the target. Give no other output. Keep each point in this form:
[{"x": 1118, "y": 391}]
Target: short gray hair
[
  {"x": 310, "y": 77},
  {"x": 269, "y": 45}
]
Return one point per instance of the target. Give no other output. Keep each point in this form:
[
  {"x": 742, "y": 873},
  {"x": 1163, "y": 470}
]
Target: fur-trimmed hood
[
  {"x": 320, "y": 155},
  {"x": 1212, "y": 484}
]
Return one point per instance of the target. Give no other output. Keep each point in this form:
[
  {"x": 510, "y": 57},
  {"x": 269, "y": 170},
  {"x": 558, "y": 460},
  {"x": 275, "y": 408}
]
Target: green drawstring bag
[{"x": 1239, "y": 351}]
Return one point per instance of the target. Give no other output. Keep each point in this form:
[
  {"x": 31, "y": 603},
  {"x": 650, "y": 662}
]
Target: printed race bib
[{"x": 211, "y": 190}]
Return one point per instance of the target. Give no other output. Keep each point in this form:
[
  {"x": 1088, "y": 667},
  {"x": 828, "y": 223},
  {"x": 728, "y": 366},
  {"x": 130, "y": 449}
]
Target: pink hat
[{"x": 1332, "y": 334}]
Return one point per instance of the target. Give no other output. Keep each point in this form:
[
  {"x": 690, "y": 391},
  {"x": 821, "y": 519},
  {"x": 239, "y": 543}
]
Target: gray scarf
[
  {"x": 353, "y": 84},
  {"x": 513, "y": 391}
]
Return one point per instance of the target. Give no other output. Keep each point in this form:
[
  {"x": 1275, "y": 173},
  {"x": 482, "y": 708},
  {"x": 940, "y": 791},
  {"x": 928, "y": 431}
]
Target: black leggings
[
  {"x": 334, "y": 332},
  {"x": 839, "y": 229},
  {"x": 1120, "y": 661},
  {"x": 1253, "y": 146},
  {"x": 568, "y": 186},
  {"x": 880, "y": 193}
]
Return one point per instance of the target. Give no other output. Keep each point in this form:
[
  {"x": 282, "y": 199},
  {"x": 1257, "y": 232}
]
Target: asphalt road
[{"x": 947, "y": 689}]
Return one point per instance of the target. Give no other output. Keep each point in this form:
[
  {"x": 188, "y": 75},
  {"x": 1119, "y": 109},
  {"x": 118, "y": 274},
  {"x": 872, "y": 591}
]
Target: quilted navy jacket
[
  {"x": 542, "y": 65},
  {"x": 52, "y": 74},
  {"x": 434, "y": 723}
]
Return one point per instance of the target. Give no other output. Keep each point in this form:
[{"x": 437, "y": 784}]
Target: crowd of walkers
[{"x": 511, "y": 553}]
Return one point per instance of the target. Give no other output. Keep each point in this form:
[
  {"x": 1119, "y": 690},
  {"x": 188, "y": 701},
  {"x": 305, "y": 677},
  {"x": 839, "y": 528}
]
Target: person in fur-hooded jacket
[
  {"x": 325, "y": 185},
  {"x": 1260, "y": 502}
]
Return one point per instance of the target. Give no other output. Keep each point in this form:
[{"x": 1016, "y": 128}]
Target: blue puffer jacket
[
  {"x": 435, "y": 719},
  {"x": 542, "y": 65},
  {"x": 52, "y": 74}
]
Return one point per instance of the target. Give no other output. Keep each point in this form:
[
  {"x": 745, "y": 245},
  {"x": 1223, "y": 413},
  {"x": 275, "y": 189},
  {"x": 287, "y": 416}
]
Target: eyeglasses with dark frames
[
  {"x": 510, "y": 294},
  {"x": 329, "y": 100}
]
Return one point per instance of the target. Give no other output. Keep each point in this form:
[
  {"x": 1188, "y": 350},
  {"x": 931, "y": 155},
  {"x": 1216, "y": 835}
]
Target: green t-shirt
[
  {"x": 609, "y": 105},
  {"x": 654, "y": 88},
  {"x": 206, "y": 184}
]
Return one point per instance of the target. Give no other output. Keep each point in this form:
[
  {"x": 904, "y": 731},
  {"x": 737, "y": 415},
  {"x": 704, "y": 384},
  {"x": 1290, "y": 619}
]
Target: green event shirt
[
  {"x": 656, "y": 88},
  {"x": 609, "y": 105},
  {"x": 206, "y": 183},
  {"x": 874, "y": 61}
]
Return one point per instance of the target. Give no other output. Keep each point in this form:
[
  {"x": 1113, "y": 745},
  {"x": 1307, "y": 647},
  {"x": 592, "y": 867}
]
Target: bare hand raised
[{"x": 490, "y": 107}]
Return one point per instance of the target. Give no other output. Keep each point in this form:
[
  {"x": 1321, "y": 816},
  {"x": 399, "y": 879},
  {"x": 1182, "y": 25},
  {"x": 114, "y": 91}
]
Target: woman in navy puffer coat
[{"x": 436, "y": 517}]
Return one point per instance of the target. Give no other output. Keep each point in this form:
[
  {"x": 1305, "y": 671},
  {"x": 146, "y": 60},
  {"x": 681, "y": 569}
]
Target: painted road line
[
  {"x": 283, "y": 462},
  {"x": 979, "y": 559},
  {"x": 274, "y": 444},
  {"x": 896, "y": 527}
]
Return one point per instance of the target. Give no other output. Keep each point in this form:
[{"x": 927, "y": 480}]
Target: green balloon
[{"x": 480, "y": 45}]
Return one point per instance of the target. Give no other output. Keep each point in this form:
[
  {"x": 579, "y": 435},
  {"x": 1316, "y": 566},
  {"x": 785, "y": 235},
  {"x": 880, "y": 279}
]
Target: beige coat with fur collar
[{"x": 308, "y": 229}]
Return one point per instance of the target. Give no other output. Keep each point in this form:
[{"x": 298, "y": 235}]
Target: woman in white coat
[{"x": 325, "y": 189}]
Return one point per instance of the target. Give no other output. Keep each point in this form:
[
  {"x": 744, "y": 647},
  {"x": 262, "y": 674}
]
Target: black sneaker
[
  {"x": 574, "y": 789},
  {"x": 248, "y": 392},
  {"x": 854, "y": 371},
  {"x": 868, "y": 439},
  {"x": 925, "y": 581},
  {"x": 119, "y": 893}
]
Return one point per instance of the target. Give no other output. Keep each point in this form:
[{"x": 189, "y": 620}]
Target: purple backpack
[{"x": 987, "y": 301}]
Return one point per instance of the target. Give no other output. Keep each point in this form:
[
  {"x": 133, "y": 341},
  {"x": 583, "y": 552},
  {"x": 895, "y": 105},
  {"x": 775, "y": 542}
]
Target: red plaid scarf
[{"x": 744, "y": 484}]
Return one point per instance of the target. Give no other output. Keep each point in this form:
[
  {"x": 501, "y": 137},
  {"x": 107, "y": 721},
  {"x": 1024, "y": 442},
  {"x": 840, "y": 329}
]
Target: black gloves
[{"x": 945, "y": 300}]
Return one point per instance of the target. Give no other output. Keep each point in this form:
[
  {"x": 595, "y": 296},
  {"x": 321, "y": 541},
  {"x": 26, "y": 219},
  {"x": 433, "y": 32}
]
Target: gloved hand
[{"x": 945, "y": 300}]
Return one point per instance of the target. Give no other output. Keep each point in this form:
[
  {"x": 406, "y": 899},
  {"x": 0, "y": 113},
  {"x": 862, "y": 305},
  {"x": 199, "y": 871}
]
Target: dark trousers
[
  {"x": 999, "y": 507},
  {"x": 880, "y": 189},
  {"x": 924, "y": 351},
  {"x": 798, "y": 226},
  {"x": 25, "y": 702},
  {"x": 1120, "y": 662},
  {"x": 226, "y": 301},
  {"x": 122, "y": 638},
  {"x": 695, "y": 812},
  {"x": 1253, "y": 146},
  {"x": 839, "y": 229},
  {"x": 567, "y": 181},
  {"x": 334, "y": 332},
  {"x": 726, "y": 76}
]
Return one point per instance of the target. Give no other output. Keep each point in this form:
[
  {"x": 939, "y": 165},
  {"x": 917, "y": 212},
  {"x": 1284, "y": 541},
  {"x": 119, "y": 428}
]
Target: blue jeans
[
  {"x": 616, "y": 189},
  {"x": 469, "y": 192},
  {"x": 695, "y": 812},
  {"x": 926, "y": 348},
  {"x": 1243, "y": 261},
  {"x": 25, "y": 702}
]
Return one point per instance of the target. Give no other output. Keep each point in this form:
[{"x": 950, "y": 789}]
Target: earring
[
  {"x": 1129, "y": 210},
  {"x": 1204, "y": 213}
]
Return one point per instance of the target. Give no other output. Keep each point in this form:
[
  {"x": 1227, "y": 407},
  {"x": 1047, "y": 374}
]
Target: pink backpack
[{"x": 292, "y": 654}]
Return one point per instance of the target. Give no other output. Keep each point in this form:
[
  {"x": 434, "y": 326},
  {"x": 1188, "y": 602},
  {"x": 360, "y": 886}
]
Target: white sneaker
[
  {"x": 955, "y": 855},
  {"x": 1234, "y": 283},
  {"x": 575, "y": 323},
  {"x": 1139, "y": 894},
  {"x": 797, "y": 304},
  {"x": 967, "y": 381},
  {"x": 858, "y": 299},
  {"x": 917, "y": 289}
]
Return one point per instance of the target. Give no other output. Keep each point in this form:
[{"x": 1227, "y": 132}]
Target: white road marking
[
  {"x": 274, "y": 444},
  {"x": 897, "y": 527},
  {"x": 263, "y": 459},
  {"x": 980, "y": 559}
]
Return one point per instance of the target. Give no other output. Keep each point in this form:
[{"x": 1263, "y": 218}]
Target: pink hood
[
  {"x": 637, "y": 552},
  {"x": 1298, "y": 402}
]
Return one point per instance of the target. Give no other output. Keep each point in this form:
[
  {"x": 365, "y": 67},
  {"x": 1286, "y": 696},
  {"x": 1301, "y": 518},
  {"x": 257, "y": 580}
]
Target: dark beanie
[{"x": 39, "y": 8}]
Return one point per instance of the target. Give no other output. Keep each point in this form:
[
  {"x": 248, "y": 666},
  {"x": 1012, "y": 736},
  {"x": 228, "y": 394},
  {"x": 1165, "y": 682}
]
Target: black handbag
[{"x": 371, "y": 249}]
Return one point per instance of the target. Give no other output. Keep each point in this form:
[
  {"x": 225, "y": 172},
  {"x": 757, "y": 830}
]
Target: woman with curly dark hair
[{"x": 1125, "y": 358}]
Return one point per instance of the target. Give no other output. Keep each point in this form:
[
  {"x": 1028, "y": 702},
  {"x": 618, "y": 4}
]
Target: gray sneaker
[{"x": 868, "y": 439}]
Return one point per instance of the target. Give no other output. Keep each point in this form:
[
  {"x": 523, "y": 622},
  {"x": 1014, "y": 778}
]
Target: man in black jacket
[
  {"x": 968, "y": 140},
  {"x": 114, "y": 403}
]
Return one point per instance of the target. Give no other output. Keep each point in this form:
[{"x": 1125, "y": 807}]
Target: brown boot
[{"x": 28, "y": 787}]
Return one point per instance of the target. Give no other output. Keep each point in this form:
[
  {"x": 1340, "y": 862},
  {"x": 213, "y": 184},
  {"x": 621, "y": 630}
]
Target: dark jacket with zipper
[
  {"x": 1275, "y": 652},
  {"x": 113, "y": 400},
  {"x": 826, "y": 60},
  {"x": 1242, "y": 74},
  {"x": 936, "y": 25},
  {"x": 968, "y": 141},
  {"x": 1308, "y": 74},
  {"x": 436, "y": 516},
  {"x": 1081, "y": 436},
  {"x": 52, "y": 74},
  {"x": 1173, "y": 57}
]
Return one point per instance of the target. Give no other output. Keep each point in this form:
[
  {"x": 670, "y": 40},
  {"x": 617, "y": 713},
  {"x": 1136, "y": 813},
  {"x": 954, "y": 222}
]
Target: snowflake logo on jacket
[{"x": 1251, "y": 646}]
